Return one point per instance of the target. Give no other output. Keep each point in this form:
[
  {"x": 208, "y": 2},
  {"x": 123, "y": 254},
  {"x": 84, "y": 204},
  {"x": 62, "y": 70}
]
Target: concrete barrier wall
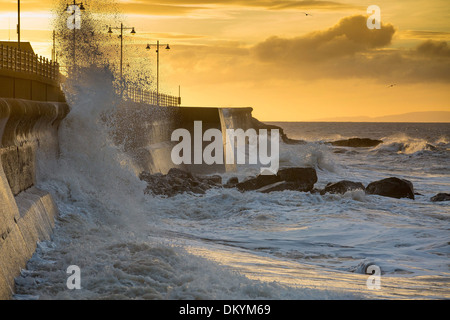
[
  {"x": 145, "y": 133},
  {"x": 26, "y": 213},
  {"x": 29, "y": 86}
]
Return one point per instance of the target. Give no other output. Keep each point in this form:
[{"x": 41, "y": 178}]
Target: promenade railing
[
  {"x": 22, "y": 61},
  {"x": 27, "y": 62},
  {"x": 150, "y": 97}
]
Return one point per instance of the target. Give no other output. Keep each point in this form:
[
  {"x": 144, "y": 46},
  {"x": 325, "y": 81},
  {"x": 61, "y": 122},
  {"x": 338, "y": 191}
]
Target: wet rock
[
  {"x": 177, "y": 181},
  {"x": 356, "y": 143},
  {"x": 257, "y": 182},
  {"x": 280, "y": 186},
  {"x": 441, "y": 197},
  {"x": 392, "y": 187},
  {"x": 304, "y": 178},
  {"x": 231, "y": 183},
  {"x": 215, "y": 179},
  {"x": 175, "y": 172},
  {"x": 299, "y": 179},
  {"x": 342, "y": 187}
]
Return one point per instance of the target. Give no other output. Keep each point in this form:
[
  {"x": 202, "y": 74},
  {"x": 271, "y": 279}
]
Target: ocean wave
[
  {"x": 404, "y": 144},
  {"x": 315, "y": 155}
]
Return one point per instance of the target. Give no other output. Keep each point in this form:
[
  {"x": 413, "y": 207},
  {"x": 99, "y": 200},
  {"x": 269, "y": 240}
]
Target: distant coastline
[{"x": 412, "y": 117}]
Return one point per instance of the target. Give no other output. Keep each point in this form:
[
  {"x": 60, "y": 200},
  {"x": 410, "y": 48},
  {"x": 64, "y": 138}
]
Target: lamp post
[
  {"x": 157, "y": 67},
  {"x": 18, "y": 24},
  {"x": 82, "y": 8},
  {"x": 122, "y": 27}
]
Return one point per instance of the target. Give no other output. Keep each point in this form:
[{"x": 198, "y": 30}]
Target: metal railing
[
  {"x": 150, "y": 97},
  {"x": 26, "y": 62}
]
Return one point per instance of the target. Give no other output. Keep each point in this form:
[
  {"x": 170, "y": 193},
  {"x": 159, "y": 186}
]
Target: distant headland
[{"x": 426, "y": 116}]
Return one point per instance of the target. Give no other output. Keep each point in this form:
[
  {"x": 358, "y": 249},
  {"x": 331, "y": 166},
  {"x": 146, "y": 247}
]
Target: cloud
[
  {"x": 434, "y": 49},
  {"x": 158, "y": 8},
  {"x": 347, "y": 50},
  {"x": 328, "y": 5},
  {"x": 183, "y": 7},
  {"x": 424, "y": 34},
  {"x": 351, "y": 50},
  {"x": 348, "y": 37}
]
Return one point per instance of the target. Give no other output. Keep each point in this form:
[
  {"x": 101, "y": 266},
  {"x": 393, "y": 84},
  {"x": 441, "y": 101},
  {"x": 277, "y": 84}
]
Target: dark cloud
[
  {"x": 351, "y": 50},
  {"x": 348, "y": 37},
  {"x": 434, "y": 49}
]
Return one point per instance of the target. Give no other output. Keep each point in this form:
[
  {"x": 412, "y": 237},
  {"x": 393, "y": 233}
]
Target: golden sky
[{"x": 270, "y": 56}]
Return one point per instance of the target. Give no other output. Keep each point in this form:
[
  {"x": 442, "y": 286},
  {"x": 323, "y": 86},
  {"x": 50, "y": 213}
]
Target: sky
[{"x": 290, "y": 60}]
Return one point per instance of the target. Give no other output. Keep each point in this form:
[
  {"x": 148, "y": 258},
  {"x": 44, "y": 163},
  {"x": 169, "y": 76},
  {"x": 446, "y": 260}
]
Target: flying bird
[
  {"x": 391, "y": 85},
  {"x": 306, "y": 14}
]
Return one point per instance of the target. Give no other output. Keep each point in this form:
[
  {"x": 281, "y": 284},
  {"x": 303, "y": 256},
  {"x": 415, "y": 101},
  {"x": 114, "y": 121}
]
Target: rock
[
  {"x": 175, "y": 172},
  {"x": 357, "y": 143},
  {"x": 177, "y": 181},
  {"x": 197, "y": 190},
  {"x": 279, "y": 186},
  {"x": 392, "y": 187},
  {"x": 299, "y": 179},
  {"x": 304, "y": 178},
  {"x": 257, "y": 182},
  {"x": 342, "y": 187},
  {"x": 441, "y": 197},
  {"x": 215, "y": 179},
  {"x": 231, "y": 183}
]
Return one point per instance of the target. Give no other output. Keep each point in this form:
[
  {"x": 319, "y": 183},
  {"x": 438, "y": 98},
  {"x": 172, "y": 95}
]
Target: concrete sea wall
[
  {"x": 26, "y": 213},
  {"x": 144, "y": 132}
]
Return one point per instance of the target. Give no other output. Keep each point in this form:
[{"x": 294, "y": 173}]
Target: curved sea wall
[{"x": 26, "y": 213}]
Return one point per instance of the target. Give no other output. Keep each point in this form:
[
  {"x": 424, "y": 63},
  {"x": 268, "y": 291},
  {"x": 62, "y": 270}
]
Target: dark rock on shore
[
  {"x": 392, "y": 187},
  {"x": 282, "y": 186},
  {"x": 257, "y": 125},
  {"x": 356, "y": 143},
  {"x": 302, "y": 178},
  {"x": 441, "y": 197},
  {"x": 175, "y": 172},
  {"x": 231, "y": 183},
  {"x": 342, "y": 187},
  {"x": 257, "y": 182},
  {"x": 299, "y": 179},
  {"x": 177, "y": 181}
]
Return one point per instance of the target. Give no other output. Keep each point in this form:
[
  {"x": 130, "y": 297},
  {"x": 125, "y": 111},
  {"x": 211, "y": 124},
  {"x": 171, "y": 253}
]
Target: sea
[{"x": 229, "y": 245}]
